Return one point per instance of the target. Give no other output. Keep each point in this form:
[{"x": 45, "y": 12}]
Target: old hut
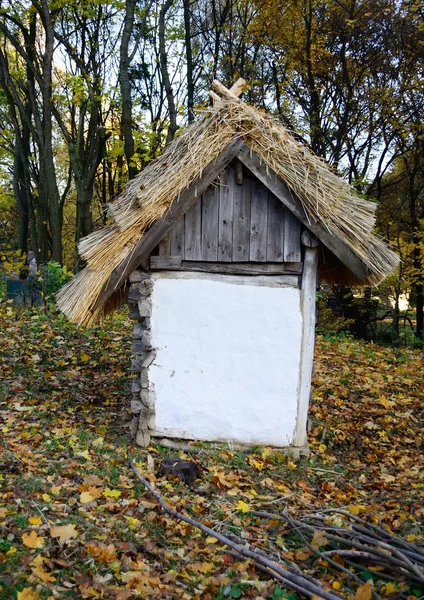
[{"x": 219, "y": 242}]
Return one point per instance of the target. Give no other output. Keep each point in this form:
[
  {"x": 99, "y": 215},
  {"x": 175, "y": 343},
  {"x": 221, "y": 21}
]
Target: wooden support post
[{"x": 308, "y": 306}]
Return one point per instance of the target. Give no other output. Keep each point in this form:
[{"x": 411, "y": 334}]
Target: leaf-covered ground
[{"x": 75, "y": 523}]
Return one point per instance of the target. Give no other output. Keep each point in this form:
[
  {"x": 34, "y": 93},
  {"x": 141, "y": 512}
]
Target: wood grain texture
[
  {"x": 280, "y": 189},
  {"x": 210, "y": 212},
  {"x": 152, "y": 236},
  {"x": 177, "y": 237},
  {"x": 173, "y": 263},
  {"x": 258, "y": 222},
  {"x": 292, "y": 245},
  {"x": 226, "y": 215},
  {"x": 164, "y": 247},
  {"x": 241, "y": 230},
  {"x": 193, "y": 232},
  {"x": 308, "y": 308},
  {"x": 276, "y": 220}
]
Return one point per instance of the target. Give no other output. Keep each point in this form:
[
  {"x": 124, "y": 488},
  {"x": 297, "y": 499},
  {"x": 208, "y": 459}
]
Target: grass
[{"x": 64, "y": 422}]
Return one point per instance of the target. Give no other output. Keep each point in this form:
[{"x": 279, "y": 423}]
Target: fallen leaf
[
  {"x": 319, "y": 539},
  {"x": 39, "y": 571},
  {"x": 389, "y": 588},
  {"x": 35, "y": 520},
  {"x": 28, "y": 594},
  {"x": 64, "y": 532},
  {"x": 108, "y": 493},
  {"x": 364, "y": 592},
  {"x": 86, "y": 497},
  {"x": 84, "y": 454},
  {"x": 32, "y": 540},
  {"x": 242, "y": 506}
]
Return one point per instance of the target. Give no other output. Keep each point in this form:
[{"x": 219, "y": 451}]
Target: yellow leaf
[
  {"x": 388, "y": 588},
  {"x": 39, "y": 570},
  {"x": 337, "y": 585},
  {"x": 28, "y": 594},
  {"x": 86, "y": 497},
  {"x": 319, "y": 539},
  {"x": 85, "y": 357},
  {"x": 266, "y": 452},
  {"x": 5, "y": 430},
  {"x": 355, "y": 509},
  {"x": 291, "y": 465},
  {"x": 46, "y": 498},
  {"x": 56, "y": 490},
  {"x": 35, "y": 520},
  {"x": 384, "y": 401},
  {"x": 12, "y": 550},
  {"x": 84, "y": 454},
  {"x": 98, "y": 443},
  {"x": 242, "y": 506},
  {"x": 108, "y": 493},
  {"x": 133, "y": 522},
  {"x": 412, "y": 537},
  {"x": 64, "y": 532},
  {"x": 32, "y": 540},
  {"x": 364, "y": 592},
  {"x": 211, "y": 540}
]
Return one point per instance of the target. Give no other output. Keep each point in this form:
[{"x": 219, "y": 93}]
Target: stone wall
[{"x": 143, "y": 394}]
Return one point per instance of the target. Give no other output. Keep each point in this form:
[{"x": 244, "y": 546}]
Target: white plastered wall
[{"x": 227, "y": 357}]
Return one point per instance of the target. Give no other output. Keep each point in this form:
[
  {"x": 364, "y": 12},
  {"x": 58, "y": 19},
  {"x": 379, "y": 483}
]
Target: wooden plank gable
[{"x": 235, "y": 220}]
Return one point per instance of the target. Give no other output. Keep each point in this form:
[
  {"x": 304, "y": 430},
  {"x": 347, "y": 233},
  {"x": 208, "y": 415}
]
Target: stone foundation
[{"x": 143, "y": 393}]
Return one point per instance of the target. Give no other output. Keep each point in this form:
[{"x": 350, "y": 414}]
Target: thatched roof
[{"x": 327, "y": 200}]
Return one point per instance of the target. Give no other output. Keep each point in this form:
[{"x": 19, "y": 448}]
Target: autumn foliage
[{"x": 75, "y": 522}]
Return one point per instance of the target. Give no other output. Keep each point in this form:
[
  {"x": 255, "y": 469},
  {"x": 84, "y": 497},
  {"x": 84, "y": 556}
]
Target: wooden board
[
  {"x": 241, "y": 229},
  {"x": 226, "y": 215},
  {"x": 193, "y": 232},
  {"x": 258, "y": 222},
  {"x": 280, "y": 189},
  {"x": 174, "y": 263},
  {"x": 276, "y": 220},
  {"x": 292, "y": 245},
  {"x": 177, "y": 238},
  {"x": 164, "y": 247},
  {"x": 210, "y": 208}
]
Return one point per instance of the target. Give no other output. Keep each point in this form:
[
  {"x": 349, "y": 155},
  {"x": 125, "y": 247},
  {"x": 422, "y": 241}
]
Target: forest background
[{"x": 92, "y": 91}]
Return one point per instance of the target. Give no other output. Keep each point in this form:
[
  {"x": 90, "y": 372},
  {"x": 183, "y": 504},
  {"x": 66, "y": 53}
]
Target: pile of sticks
[{"x": 350, "y": 544}]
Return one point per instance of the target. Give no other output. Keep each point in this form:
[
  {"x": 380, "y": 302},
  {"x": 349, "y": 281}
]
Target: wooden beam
[
  {"x": 174, "y": 263},
  {"x": 238, "y": 87},
  {"x": 277, "y": 186},
  {"x": 308, "y": 307},
  {"x": 155, "y": 233},
  {"x": 215, "y": 98},
  {"x": 223, "y": 91}
]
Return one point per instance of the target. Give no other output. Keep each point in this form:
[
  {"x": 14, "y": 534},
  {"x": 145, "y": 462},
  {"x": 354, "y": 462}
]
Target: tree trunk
[
  {"x": 125, "y": 85},
  {"x": 189, "y": 60},
  {"x": 172, "y": 110}
]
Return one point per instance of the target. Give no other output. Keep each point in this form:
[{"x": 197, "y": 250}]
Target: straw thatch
[{"x": 326, "y": 198}]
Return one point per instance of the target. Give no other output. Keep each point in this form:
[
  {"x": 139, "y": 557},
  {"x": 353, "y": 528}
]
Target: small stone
[
  {"x": 136, "y": 406},
  {"x": 144, "y": 378},
  {"x": 138, "y": 347},
  {"x": 134, "y": 426},
  {"x": 137, "y": 276},
  {"x": 145, "y": 308},
  {"x": 134, "y": 312},
  {"x": 136, "y": 364},
  {"x": 147, "y": 397},
  {"x": 136, "y": 385},
  {"x": 142, "y": 438},
  {"x": 148, "y": 359},
  {"x": 138, "y": 331}
]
